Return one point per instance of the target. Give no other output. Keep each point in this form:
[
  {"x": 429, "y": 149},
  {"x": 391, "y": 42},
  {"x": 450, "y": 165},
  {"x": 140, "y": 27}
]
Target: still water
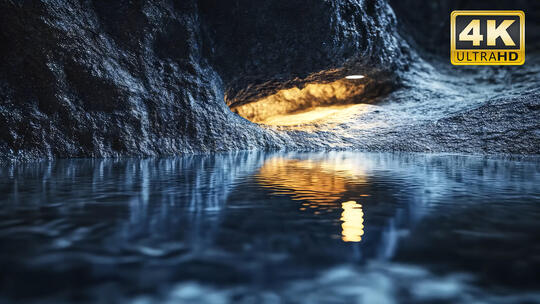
[{"x": 333, "y": 227}]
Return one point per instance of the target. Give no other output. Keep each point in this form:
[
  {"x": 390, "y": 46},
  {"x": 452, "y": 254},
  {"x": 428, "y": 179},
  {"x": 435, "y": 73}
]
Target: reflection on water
[
  {"x": 314, "y": 181},
  {"x": 321, "y": 184},
  {"x": 353, "y": 222},
  {"x": 272, "y": 227}
]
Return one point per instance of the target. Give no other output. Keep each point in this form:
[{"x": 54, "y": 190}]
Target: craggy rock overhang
[{"x": 141, "y": 78}]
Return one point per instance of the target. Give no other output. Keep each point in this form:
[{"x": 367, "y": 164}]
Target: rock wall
[
  {"x": 103, "y": 78},
  {"x": 119, "y": 78},
  {"x": 259, "y": 47}
]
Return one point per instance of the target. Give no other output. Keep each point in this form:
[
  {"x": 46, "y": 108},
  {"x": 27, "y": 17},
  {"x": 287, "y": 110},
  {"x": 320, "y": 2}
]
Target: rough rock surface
[
  {"x": 259, "y": 47},
  {"x": 484, "y": 111},
  {"x": 141, "y": 78},
  {"x": 102, "y": 78},
  {"x": 508, "y": 125}
]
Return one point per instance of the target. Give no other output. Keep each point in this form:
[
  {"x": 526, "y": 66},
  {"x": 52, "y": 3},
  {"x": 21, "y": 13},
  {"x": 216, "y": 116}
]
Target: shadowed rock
[{"x": 126, "y": 78}]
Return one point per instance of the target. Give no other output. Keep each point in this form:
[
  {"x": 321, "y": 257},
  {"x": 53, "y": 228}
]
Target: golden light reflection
[
  {"x": 319, "y": 182},
  {"x": 353, "y": 222},
  {"x": 314, "y": 102},
  {"x": 320, "y": 185}
]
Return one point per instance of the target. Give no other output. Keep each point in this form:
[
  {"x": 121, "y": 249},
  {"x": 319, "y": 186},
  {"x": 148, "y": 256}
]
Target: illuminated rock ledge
[{"x": 313, "y": 103}]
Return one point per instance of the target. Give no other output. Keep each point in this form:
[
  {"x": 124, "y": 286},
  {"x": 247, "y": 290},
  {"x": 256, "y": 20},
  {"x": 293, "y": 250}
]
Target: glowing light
[
  {"x": 315, "y": 102},
  {"x": 320, "y": 184},
  {"x": 303, "y": 180},
  {"x": 318, "y": 114},
  {"x": 354, "y": 76},
  {"x": 353, "y": 222}
]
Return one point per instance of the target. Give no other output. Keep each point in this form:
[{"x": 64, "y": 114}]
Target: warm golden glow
[
  {"x": 313, "y": 103},
  {"x": 320, "y": 184},
  {"x": 313, "y": 115},
  {"x": 303, "y": 180},
  {"x": 353, "y": 222}
]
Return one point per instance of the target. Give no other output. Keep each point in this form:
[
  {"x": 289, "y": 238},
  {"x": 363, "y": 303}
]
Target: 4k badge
[{"x": 487, "y": 37}]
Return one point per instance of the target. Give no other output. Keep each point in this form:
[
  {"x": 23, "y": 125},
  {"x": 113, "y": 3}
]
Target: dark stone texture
[
  {"x": 259, "y": 47},
  {"x": 150, "y": 78},
  {"x": 111, "y": 78},
  {"x": 507, "y": 125},
  {"x": 120, "y": 78}
]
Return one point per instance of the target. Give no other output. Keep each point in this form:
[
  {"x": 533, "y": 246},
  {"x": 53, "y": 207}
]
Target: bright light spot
[
  {"x": 320, "y": 184},
  {"x": 312, "y": 103},
  {"x": 353, "y": 222},
  {"x": 313, "y": 115},
  {"x": 354, "y": 76}
]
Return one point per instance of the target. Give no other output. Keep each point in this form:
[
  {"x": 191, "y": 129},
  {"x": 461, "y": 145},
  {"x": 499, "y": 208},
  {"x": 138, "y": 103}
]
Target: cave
[
  {"x": 212, "y": 76},
  {"x": 267, "y": 151}
]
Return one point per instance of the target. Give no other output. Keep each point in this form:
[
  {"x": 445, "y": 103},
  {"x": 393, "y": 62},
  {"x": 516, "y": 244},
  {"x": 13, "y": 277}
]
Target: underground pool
[{"x": 272, "y": 227}]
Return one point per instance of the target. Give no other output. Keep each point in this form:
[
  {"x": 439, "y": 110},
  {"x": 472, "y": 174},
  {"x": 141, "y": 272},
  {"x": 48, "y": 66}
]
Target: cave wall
[
  {"x": 260, "y": 47},
  {"x": 120, "y": 78},
  {"x": 111, "y": 78},
  {"x": 96, "y": 78}
]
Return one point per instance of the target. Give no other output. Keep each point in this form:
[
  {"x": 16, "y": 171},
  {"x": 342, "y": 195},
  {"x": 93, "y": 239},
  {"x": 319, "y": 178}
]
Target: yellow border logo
[{"x": 496, "y": 48}]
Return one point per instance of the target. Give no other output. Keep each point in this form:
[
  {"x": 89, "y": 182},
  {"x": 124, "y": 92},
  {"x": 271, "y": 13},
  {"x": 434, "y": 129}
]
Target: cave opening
[{"x": 309, "y": 103}]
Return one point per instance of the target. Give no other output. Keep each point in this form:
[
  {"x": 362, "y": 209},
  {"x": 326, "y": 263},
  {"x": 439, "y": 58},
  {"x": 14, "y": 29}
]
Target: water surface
[{"x": 329, "y": 227}]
